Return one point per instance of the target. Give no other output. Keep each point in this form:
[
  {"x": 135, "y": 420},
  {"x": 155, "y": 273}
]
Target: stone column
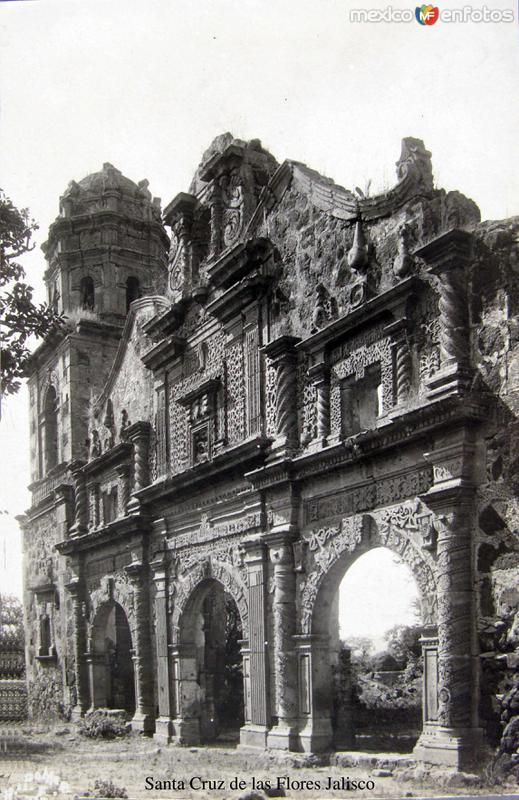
[
  {"x": 64, "y": 502},
  {"x": 179, "y": 216},
  {"x": 96, "y": 666},
  {"x": 429, "y": 642},
  {"x": 284, "y": 734},
  {"x": 319, "y": 374},
  {"x": 123, "y": 475},
  {"x": 402, "y": 359},
  {"x": 143, "y": 719},
  {"x": 455, "y": 738},
  {"x": 215, "y": 204},
  {"x": 80, "y": 499},
  {"x": 164, "y": 730},
  {"x": 315, "y": 692},
  {"x": 184, "y": 665},
  {"x": 75, "y": 590},
  {"x": 254, "y": 733},
  {"x": 284, "y": 357},
  {"x": 139, "y": 435},
  {"x": 449, "y": 258}
]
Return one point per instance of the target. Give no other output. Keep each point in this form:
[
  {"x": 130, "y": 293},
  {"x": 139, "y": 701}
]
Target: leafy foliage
[
  {"x": 11, "y": 623},
  {"x": 20, "y": 317},
  {"x": 403, "y": 643},
  {"x": 98, "y": 725}
]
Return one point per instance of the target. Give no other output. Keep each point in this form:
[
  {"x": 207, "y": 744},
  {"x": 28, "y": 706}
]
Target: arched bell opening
[
  {"x": 110, "y": 661},
  {"x": 50, "y": 429},
  {"x": 209, "y": 666},
  {"x": 133, "y": 290}
]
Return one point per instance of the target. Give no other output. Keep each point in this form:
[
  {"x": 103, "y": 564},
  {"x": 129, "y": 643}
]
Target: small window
[
  {"x": 362, "y": 402},
  {"x": 133, "y": 291},
  {"x": 45, "y": 638},
  {"x": 87, "y": 294}
]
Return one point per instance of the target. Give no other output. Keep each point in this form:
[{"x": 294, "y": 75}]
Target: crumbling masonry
[{"x": 236, "y": 411}]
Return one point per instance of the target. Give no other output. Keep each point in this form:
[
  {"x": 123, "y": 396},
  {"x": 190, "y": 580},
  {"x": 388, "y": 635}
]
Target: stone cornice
[
  {"x": 119, "y": 528},
  {"x": 113, "y": 457},
  {"x": 452, "y": 247},
  {"x": 238, "y": 261},
  {"x": 192, "y": 479},
  {"x": 390, "y": 302}
]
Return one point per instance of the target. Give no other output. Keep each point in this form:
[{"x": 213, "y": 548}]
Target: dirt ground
[{"x": 130, "y": 760}]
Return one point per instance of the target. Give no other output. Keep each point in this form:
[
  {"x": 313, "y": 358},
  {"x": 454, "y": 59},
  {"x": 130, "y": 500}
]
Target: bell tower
[{"x": 106, "y": 249}]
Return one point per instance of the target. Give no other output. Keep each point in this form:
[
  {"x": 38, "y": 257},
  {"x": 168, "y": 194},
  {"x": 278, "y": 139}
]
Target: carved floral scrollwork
[
  {"x": 193, "y": 571},
  {"x": 405, "y": 529}
]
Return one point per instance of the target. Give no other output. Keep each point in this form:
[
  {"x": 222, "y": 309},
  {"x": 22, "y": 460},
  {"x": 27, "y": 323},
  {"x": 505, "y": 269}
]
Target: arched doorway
[
  {"x": 327, "y": 719},
  {"x": 378, "y": 668},
  {"x": 210, "y": 680},
  {"x": 111, "y": 667}
]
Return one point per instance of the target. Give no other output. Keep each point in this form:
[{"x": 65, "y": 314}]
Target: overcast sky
[{"x": 147, "y": 85}]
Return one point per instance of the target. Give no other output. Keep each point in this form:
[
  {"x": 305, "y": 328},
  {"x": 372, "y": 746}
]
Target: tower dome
[{"x": 106, "y": 248}]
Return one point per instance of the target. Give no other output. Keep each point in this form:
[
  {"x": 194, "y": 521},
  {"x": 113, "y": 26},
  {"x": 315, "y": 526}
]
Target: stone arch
[
  {"x": 116, "y": 588},
  {"x": 408, "y": 531},
  {"x": 110, "y": 658},
  {"x": 332, "y": 549},
  {"x": 207, "y": 640},
  {"x": 224, "y": 574}
]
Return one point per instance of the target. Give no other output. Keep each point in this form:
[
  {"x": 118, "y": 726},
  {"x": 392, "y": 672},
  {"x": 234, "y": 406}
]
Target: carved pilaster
[
  {"x": 254, "y": 733},
  {"x": 164, "y": 730},
  {"x": 402, "y": 359},
  {"x": 123, "y": 494},
  {"x": 143, "y": 719},
  {"x": 281, "y": 553},
  {"x": 315, "y": 693},
  {"x": 179, "y": 216},
  {"x": 319, "y": 374},
  {"x": 64, "y": 495},
  {"x": 284, "y": 359},
  {"x": 75, "y": 590},
  {"x": 80, "y": 499},
  {"x": 139, "y": 435},
  {"x": 216, "y": 207},
  {"x": 449, "y": 257},
  {"x": 455, "y": 736}
]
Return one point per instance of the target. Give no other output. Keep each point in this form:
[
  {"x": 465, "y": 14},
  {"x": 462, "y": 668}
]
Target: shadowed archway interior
[
  {"x": 211, "y": 629},
  {"x": 112, "y": 674},
  {"x": 375, "y": 702}
]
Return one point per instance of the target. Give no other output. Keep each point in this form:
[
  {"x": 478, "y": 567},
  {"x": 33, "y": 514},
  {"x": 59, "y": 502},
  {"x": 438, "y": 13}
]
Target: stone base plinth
[
  {"x": 450, "y": 747},
  {"x": 451, "y": 379},
  {"x": 164, "y": 730},
  {"x": 253, "y": 736},
  {"x": 143, "y": 723},
  {"x": 283, "y": 737},
  {"x": 315, "y": 736},
  {"x": 186, "y": 731}
]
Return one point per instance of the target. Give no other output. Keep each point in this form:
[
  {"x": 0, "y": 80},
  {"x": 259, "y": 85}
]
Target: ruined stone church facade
[{"x": 255, "y": 387}]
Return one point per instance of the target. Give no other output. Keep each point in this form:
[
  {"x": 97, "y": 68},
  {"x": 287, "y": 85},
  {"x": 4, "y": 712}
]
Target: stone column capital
[
  {"x": 139, "y": 430},
  {"x": 450, "y": 250},
  {"x": 76, "y": 466},
  {"x": 319, "y": 372},
  {"x": 122, "y": 470},
  {"x": 135, "y": 571},
  {"x": 282, "y": 348}
]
